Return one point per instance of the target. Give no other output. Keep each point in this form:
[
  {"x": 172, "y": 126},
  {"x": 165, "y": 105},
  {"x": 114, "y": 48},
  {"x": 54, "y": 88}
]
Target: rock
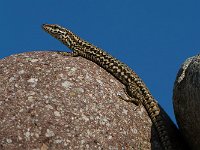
[
  {"x": 48, "y": 101},
  {"x": 186, "y": 101}
]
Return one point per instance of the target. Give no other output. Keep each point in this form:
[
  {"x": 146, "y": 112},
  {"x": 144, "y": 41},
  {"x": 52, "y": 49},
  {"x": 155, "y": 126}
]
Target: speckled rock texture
[
  {"x": 187, "y": 101},
  {"x": 48, "y": 101}
]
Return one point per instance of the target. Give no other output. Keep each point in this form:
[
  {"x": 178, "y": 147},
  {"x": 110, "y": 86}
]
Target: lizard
[{"x": 135, "y": 88}]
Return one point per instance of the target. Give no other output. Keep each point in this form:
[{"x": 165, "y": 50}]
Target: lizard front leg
[{"x": 73, "y": 54}]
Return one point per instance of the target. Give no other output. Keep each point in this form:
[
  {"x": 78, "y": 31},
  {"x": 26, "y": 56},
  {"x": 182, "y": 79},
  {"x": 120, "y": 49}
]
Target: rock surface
[
  {"x": 186, "y": 102},
  {"x": 48, "y": 101}
]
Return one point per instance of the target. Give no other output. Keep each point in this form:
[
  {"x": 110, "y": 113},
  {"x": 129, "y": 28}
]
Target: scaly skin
[{"x": 135, "y": 88}]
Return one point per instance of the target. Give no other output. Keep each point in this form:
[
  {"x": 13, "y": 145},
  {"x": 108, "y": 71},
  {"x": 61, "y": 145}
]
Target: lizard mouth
[
  {"x": 47, "y": 27},
  {"x": 53, "y": 30}
]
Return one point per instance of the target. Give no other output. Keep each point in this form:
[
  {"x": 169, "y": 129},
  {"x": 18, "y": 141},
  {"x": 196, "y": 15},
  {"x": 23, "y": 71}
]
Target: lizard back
[{"x": 134, "y": 85}]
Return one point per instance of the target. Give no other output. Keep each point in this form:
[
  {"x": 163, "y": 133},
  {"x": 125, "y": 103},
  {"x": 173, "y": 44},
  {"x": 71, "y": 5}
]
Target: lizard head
[{"x": 62, "y": 34}]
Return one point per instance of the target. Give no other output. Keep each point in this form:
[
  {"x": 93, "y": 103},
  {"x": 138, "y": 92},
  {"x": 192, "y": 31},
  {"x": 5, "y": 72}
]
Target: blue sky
[{"x": 152, "y": 37}]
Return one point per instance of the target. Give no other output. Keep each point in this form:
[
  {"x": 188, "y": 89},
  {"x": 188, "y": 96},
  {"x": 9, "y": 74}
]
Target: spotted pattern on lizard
[{"x": 134, "y": 86}]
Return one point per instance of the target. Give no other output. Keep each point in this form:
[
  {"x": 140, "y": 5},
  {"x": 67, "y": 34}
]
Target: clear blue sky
[{"x": 152, "y": 37}]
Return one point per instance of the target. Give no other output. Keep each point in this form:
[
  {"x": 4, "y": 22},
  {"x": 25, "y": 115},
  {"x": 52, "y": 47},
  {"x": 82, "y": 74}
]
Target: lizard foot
[
  {"x": 73, "y": 54},
  {"x": 130, "y": 99}
]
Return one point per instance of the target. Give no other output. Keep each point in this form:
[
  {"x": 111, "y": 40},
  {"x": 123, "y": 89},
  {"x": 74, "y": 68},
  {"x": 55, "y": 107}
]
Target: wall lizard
[{"x": 134, "y": 87}]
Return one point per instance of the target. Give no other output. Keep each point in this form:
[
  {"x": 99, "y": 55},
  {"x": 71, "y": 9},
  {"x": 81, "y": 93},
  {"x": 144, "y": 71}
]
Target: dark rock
[{"x": 186, "y": 101}]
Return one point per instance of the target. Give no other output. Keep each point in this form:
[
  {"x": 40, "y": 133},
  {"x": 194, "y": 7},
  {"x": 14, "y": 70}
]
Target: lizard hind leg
[
  {"x": 130, "y": 98},
  {"x": 134, "y": 92}
]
